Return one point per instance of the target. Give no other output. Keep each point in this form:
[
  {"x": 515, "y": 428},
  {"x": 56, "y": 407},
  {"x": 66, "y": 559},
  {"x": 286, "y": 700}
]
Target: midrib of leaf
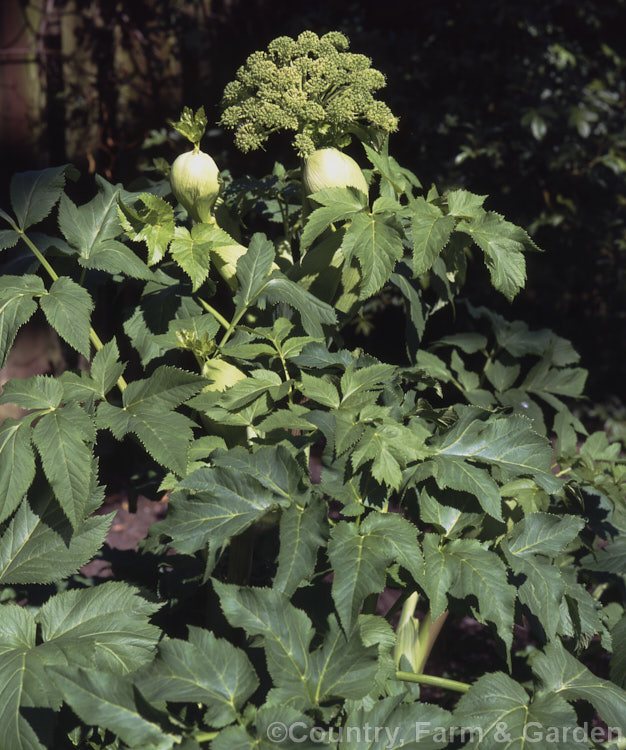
[
  {"x": 264, "y": 628},
  {"x": 19, "y": 690},
  {"x": 430, "y": 230},
  {"x": 500, "y": 718},
  {"x": 65, "y": 463},
  {"x": 569, "y": 685},
  {"x": 30, "y": 196},
  {"x": 104, "y": 647},
  {"x": 216, "y": 673},
  {"x": 100, "y": 224},
  {"x": 325, "y": 669},
  {"x": 17, "y": 551},
  {"x": 13, "y": 298},
  {"x": 119, "y": 706},
  {"x": 476, "y": 455},
  {"x": 536, "y": 543},
  {"x": 92, "y": 634},
  {"x": 295, "y": 546},
  {"x": 247, "y": 301},
  {"x": 156, "y": 433}
]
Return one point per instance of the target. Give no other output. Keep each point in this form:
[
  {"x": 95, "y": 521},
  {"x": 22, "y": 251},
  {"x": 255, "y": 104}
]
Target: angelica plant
[
  {"x": 311, "y": 86},
  {"x": 459, "y": 482}
]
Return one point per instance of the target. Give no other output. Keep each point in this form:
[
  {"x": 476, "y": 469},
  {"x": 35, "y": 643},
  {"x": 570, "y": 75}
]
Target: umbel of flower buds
[{"x": 194, "y": 181}]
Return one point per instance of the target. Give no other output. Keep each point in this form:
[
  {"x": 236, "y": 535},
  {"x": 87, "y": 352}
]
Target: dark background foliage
[{"x": 524, "y": 102}]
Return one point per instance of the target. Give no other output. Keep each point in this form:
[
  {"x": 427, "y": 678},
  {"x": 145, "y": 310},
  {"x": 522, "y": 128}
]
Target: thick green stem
[
  {"x": 428, "y": 679},
  {"x": 232, "y": 326},
  {"x": 93, "y": 336},
  {"x": 211, "y": 310},
  {"x": 428, "y": 633},
  {"x": 40, "y": 257}
]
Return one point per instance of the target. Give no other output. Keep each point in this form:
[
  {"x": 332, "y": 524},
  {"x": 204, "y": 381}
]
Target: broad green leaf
[
  {"x": 342, "y": 666},
  {"x": 22, "y": 680},
  {"x": 452, "y": 519},
  {"x": 165, "y": 434},
  {"x": 506, "y": 442},
  {"x": 458, "y": 474},
  {"x": 464, "y": 568},
  {"x": 470, "y": 343},
  {"x": 348, "y": 429},
  {"x": 8, "y": 238},
  {"x": 34, "y": 547},
  {"x": 150, "y": 326},
  {"x": 618, "y": 658},
  {"x": 303, "y": 530},
  {"x": 438, "y": 574},
  {"x": 337, "y": 204},
  {"x": 246, "y": 390},
  {"x": 579, "y": 611},
  {"x": 17, "y": 465},
  {"x": 390, "y": 724},
  {"x": 108, "y": 700},
  {"x": 90, "y": 227},
  {"x": 359, "y": 561},
  {"x": 563, "y": 675},
  {"x": 543, "y": 534},
  {"x": 114, "y": 258},
  {"x": 148, "y": 412},
  {"x": 390, "y": 447},
  {"x": 206, "y": 670},
  {"x": 317, "y": 356},
  {"x": 273, "y": 467},
  {"x": 397, "y": 177},
  {"x": 36, "y": 392},
  {"x": 350, "y": 199},
  {"x": 313, "y": 311},
  {"x": 319, "y": 390},
  {"x": 543, "y": 378},
  {"x": 253, "y": 269},
  {"x": 466, "y": 205},
  {"x": 34, "y": 194},
  {"x": 377, "y": 246},
  {"x": 63, "y": 439},
  {"x": 433, "y": 366},
  {"x": 501, "y": 376},
  {"x": 360, "y": 557},
  {"x": 286, "y": 631},
  {"x": 415, "y": 321},
  {"x": 497, "y": 712},
  {"x": 211, "y": 506},
  {"x": 67, "y": 307},
  {"x": 270, "y": 730},
  {"x": 431, "y": 233},
  {"x": 16, "y": 307},
  {"x": 153, "y": 224},
  {"x": 609, "y": 559},
  {"x": 294, "y": 417},
  {"x": 106, "y": 368},
  {"x": 528, "y": 549},
  {"x": 192, "y": 252},
  {"x": 356, "y": 380},
  {"x": 503, "y": 244},
  {"x": 106, "y": 626}
]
